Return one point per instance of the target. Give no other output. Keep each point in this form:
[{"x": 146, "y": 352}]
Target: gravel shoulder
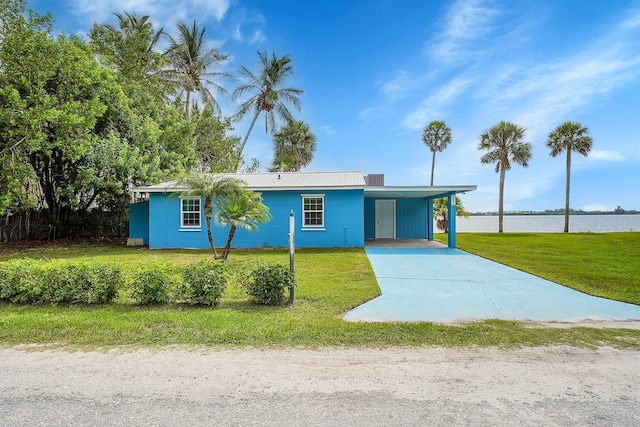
[{"x": 399, "y": 386}]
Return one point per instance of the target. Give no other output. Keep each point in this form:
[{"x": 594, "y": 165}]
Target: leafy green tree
[
  {"x": 212, "y": 189},
  {"x": 436, "y": 136},
  {"x": 294, "y": 145},
  {"x": 217, "y": 150},
  {"x": 194, "y": 67},
  {"x": 504, "y": 145},
  {"x": 441, "y": 212},
  {"x": 129, "y": 48},
  {"x": 569, "y": 137},
  {"x": 268, "y": 93},
  {"x": 244, "y": 210}
]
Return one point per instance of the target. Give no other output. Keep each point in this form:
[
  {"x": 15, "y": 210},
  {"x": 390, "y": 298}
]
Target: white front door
[{"x": 385, "y": 219}]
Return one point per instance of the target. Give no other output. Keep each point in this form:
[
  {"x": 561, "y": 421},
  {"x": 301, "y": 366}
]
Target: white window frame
[
  {"x": 198, "y": 212},
  {"x": 321, "y": 211}
]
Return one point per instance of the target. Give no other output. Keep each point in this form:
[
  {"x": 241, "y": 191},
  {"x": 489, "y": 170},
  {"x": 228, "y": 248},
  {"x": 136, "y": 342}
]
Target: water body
[{"x": 549, "y": 223}]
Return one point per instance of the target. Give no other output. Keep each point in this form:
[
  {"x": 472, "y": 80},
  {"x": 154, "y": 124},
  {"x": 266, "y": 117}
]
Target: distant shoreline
[{"x": 552, "y": 213}]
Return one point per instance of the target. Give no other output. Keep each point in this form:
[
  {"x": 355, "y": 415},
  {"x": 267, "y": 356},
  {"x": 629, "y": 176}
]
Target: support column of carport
[{"x": 451, "y": 237}]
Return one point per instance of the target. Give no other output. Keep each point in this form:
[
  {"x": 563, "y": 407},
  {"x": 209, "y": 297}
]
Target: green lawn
[
  {"x": 330, "y": 282},
  {"x": 604, "y": 264}
]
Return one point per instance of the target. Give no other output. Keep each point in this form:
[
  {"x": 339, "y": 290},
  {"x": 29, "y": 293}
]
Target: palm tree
[
  {"x": 269, "y": 93},
  {"x": 294, "y": 145},
  {"x": 132, "y": 23},
  {"x": 441, "y": 210},
  {"x": 211, "y": 188},
  {"x": 244, "y": 210},
  {"x": 437, "y": 135},
  {"x": 131, "y": 45},
  {"x": 194, "y": 67},
  {"x": 504, "y": 142},
  {"x": 569, "y": 136}
]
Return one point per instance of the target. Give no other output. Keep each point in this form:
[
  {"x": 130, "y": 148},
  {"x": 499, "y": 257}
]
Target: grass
[
  {"x": 604, "y": 264},
  {"x": 330, "y": 282}
]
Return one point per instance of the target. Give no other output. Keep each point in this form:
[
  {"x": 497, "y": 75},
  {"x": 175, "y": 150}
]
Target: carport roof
[{"x": 416, "y": 192}]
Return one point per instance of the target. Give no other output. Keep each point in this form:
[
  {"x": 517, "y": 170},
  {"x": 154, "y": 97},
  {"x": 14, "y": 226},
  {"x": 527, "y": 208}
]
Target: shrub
[
  {"x": 60, "y": 281},
  {"x": 20, "y": 281},
  {"x": 267, "y": 283},
  {"x": 151, "y": 285},
  {"x": 204, "y": 282}
]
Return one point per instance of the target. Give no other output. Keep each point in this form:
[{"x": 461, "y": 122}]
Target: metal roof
[
  {"x": 416, "y": 192},
  {"x": 277, "y": 181}
]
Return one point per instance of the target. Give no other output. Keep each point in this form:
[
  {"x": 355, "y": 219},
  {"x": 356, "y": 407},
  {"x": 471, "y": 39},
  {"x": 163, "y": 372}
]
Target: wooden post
[{"x": 292, "y": 250}]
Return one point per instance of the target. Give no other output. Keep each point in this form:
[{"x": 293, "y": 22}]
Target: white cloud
[
  {"x": 432, "y": 108},
  {"x": 328, "y": 130},
  {"x": 605, "y": 155},
  {"x": 466, "y": 22},
  {"x": 163, "y": 13}
]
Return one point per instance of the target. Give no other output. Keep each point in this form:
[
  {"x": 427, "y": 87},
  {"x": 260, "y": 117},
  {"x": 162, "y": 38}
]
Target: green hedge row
[
  {"x": 203, "y": 283},
  {"x": 60, "y": 281}
]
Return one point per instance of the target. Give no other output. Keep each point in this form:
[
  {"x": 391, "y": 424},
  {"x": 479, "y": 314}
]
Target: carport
[
  {"x": 445, "y": 285},
  {"x": 392, "y": 212}
]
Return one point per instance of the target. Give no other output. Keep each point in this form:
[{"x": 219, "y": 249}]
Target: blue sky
[{"x": 375, "y": 72}]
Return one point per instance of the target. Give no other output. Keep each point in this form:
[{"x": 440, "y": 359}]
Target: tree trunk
[
  {"x": 227, "y": 247},
  {"x": 210, "y": 236},
  {"x": 501, "y": 199},
  {"x": 253, "y": 122},
  {"x": 566, "y": 201},
  {"x": 433, "y": 166},
  {"x": 188, "y": 102}
]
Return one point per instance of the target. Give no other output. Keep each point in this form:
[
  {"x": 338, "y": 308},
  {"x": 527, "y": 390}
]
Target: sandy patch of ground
[{"x": 399, "y": 386}]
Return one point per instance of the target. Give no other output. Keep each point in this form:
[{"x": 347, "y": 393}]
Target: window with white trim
[
  {"x": 313, "y": 210},
  {"x": 190, "y": 212}
]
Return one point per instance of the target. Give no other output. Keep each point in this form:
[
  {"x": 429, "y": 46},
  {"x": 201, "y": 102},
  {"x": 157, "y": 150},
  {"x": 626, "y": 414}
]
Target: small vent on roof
[{"x": 374, "y": 179}]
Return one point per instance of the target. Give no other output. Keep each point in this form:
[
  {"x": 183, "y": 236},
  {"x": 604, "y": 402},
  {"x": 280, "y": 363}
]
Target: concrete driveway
[{"x": 445, "y": 285}]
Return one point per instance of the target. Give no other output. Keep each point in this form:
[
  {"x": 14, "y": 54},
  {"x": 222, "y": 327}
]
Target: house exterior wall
[
  {"x": 411, "y": 218},
  {"x": 139, "y": 221},
  {"x": 343, "y": 223}
]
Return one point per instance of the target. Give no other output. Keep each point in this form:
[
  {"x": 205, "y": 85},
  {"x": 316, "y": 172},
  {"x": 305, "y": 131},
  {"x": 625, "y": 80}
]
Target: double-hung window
[
  {"x": 190, "y": 213},
  {"x": 313, "y": 210}
]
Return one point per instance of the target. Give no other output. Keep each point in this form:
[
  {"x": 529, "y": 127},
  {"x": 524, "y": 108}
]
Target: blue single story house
[{"x": 331, "y": 209}]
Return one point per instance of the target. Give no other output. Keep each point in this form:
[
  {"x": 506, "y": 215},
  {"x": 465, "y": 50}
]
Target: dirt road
[{"x": 328, "y": 387}]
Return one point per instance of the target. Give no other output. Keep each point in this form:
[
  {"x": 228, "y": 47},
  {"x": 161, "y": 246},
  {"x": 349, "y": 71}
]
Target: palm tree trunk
[
  {"x": 188, "y": 102},
  {"x": 210, "y": 236},
  {"x": 253, "y": 122},
  {"x": 227, "y": 247},
  {"x": 501, "y": 199},
  {"x": 566, "y": 201},
  {"x": 433, "y": 166}
]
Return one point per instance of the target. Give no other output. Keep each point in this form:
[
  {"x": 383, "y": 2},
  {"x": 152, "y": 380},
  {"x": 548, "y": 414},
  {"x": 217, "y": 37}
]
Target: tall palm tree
[
  {"x": 195, "y": 67},
  {"x": 211, "y": 188},
  {"x": 504, "y": 142},
  {"x": 436, "y": 135},
  {"x": 269, "y": 93},
  {"x": 569, "y": 136},
  {"x": 244, "y": 211},
  {"x": 294, "y": 145}
]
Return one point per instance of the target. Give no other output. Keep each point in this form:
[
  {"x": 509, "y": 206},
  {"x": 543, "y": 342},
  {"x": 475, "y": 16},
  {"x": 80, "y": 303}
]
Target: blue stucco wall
[
  {"x": 411, "y": 218},
  {"x": 139, "y": 221},
  {"x": 344, "y": 213}
]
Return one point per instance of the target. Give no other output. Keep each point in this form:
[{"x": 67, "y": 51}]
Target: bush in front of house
[
  {"x": 151, "y": 285},
  {"x": 204, "y": 282},
  {"x": 268, "y": 282},
  {"x": 59, "y": 281}
]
